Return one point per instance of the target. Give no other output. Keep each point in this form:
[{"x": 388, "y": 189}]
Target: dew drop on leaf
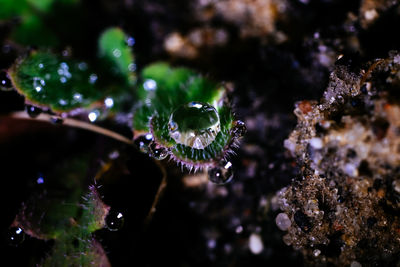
[
  {"x": 239, "y": 129},
  {"x": 114, "y": 220},
  {"x": 15, "y": 236},
  {"x": 142, "y": 142},
  {"x": 93, "y": 115},
  {"x": 109, "y": 102},
  {"x": 221, "y": 174},
  {"x": 33, "y": 111},
  {"x": 194, "y": 124},
  {"x": 157, "y": 152},
  {"x": 5, "y": 82}
]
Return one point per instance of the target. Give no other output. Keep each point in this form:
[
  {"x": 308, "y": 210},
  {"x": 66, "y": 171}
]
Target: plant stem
[
  {"x": 74, "y": 123},
  {"x": 160, "y": 191}
]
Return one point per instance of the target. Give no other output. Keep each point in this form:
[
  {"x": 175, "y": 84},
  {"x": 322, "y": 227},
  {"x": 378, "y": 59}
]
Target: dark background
[{"x": 269, "y": 78}]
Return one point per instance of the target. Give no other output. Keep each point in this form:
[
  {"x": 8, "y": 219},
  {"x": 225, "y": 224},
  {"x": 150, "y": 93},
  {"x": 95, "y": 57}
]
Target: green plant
[{"x": 176, "y": 113}]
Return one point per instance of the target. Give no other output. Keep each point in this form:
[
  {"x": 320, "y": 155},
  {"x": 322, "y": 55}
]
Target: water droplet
[
  {"x": 92, "y": 78},
  {"x": 56, "y": 120},
  {"x": 194, "y": 124},
  {"x": 33, "y": 111},
  {"x": 40, "y": 179},
  {"x": 256, "y": 245},
  {"x": 66, "y": 53},
  {"x": 143, "y": 142},
  {"x": 222, "y": 174},
  {"x": 82, "y": 66},
  {"x": 116, "y": 52},
  {"x": 93, "y": 115},
  {"x": 77, "y": 97},
  {"x": 109, "y": 102},
  {"x": 132, "y": 67},
  {"x": 150, "y": 85},
  {"x": 114, "y": 154},
  {"x": 114, "y": 220},
  {"x": 157, "y": 152},
  {"x": 130, "y": 41},
  {"x": 62, "y": 102},
  {"x": 239, "y": 129},
  {"x": 5, "y": 82},
  {"x": 212, "y": 243},
  {"x": 15, "y": 236}
]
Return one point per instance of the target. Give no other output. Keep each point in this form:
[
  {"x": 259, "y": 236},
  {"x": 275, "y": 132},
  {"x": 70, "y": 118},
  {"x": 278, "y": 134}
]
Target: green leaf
[
  {"x": 51, "y": 81},
  {"x": 116, "y": 54}
]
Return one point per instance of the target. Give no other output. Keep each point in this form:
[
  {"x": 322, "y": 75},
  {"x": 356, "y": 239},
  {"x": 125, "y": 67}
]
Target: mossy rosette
[
  {"x": 115, "y": 51},
  {"x": 164, "y": 90},
  {"x": 66, "y": 212}
]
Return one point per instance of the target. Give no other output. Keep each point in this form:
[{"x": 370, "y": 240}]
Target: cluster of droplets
[
  {"x": 146, "y": 144},
  {"x": 63, "y": 72},
  {"x": 97, "y": 113},
  {"x": 38, "y": 83},
  {"x": 143, "y": 142}
]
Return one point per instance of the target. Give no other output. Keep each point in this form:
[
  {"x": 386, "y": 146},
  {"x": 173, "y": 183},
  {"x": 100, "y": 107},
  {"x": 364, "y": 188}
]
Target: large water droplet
[
  {"x": 239, "y": 129},
  {"x": 194, "y": 124},
  {"x": 33, "y": 111},
  {"x": 5, "y": 82},
  {"x": 15, "y": 236},
  {"x": 142, "y": 142},
  {"x": 222, "y": 174},
  {"x": 114, "y": 220},
  {"x": 157, "y": 152}
]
